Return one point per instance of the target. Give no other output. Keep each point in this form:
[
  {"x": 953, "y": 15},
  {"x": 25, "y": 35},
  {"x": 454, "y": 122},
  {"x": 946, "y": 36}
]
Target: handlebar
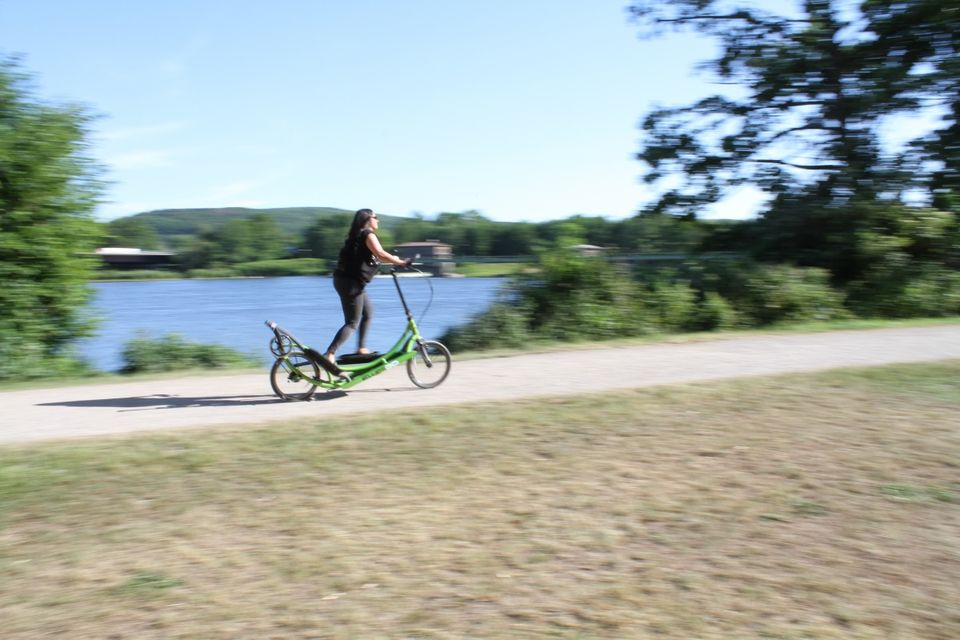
[{"x": 412, "y": 266}]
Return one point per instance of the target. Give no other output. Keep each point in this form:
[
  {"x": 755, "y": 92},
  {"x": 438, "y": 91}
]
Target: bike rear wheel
[
  {"x": 430, "y": 364},
  {"x": 292, "y": 377}
]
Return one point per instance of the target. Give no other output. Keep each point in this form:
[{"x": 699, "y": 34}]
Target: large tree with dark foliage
[
  {"x": 914, "y": 58},
  {"x": 48, "y": 190},
  {"x": 804, "y": 120}
]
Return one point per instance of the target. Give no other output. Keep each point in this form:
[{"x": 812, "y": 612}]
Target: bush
[
  {"x": 897, "y": 289},
  {"x": 173, "y": 353},
  {"x": 673, "y": 304},
  {"x": 504, "y": 325},
  {"x": 758, "y": 294},
  {"x": 592, "y": 317},
  {"x": 935, "y": 292},
  {"x": 571, "y": 298},
  {"x": 568, "y": 298},
  {"x": 713, "y": 313},
  {"x": 44, "y": 366},
  {"x": 776, "y": 294}
]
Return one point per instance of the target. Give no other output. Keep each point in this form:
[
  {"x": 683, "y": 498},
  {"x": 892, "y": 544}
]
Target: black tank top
[{"x": 356, "y": 259}]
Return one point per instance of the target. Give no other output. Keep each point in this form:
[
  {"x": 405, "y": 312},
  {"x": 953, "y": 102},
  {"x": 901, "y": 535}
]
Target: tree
[
  {"x": 477, "y": 234},
  {"x": 233, "y": 242},
  {"x": 413, "y": 229},
  {"x": 801, "y": 119},
  {"x": 243, "y": 240},
  {"x": 562, "y": 234},
  {"x": 916, "y": 54},
  {"x": 267, "y": 241},
  {"x": 197, "y": 251},
  {"x": 324, "y": 238},
  {"x": 804, "y": 122},
  {"x": 513, "y": 239},
  {"x": 48, "y": 191},
  {"x": 659, "y": 234},
  {"x": 132, "y": 232}
]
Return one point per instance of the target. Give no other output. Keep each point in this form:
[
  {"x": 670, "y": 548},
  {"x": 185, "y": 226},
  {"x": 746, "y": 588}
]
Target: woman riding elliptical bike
[{"x": 359, "y": 261}]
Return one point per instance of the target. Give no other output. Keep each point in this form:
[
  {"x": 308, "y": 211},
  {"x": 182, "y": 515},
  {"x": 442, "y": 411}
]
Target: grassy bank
[
  {"x": 492, "y": 269},
  {"x": 289, "y": 267},
  {"x": 258, "y": 269},
  {"x": 815, "y": 506}
]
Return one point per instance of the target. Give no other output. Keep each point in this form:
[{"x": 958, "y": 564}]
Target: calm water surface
[{"x": 231, "y": 312}]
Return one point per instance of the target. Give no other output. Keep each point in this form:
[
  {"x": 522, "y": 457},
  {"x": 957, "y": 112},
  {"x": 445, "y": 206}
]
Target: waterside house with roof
[
  {"x": 133, "y": 258},
  {"x": 435, "y": 257}
]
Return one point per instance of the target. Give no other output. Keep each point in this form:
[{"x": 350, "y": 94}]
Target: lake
[{"x": 232, "y": 312}]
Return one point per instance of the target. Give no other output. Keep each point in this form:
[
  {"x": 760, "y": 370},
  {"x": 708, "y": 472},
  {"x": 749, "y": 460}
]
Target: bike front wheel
[
  {"x": 292, "y": 377},
  {"x": 430, "y": 364}
]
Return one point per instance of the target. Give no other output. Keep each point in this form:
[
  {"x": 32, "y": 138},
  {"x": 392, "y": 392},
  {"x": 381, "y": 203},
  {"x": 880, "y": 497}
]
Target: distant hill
[{"x": 188, "y": 222}]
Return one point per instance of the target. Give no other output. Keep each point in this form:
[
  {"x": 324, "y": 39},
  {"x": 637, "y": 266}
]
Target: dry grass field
[{"x": 796, "y": 507}]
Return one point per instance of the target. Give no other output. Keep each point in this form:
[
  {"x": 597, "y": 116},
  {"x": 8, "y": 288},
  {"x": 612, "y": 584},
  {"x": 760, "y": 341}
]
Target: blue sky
[{"x": 521, "y": 109}]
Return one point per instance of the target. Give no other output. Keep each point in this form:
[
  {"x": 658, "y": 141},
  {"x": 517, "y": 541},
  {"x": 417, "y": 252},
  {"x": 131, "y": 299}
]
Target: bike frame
[
  {"x": 404, "y": 349},
  {"x": 345, "y": 376}
]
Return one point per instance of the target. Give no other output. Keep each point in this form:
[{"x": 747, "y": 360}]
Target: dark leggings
[{"x": 357, "y": 310}]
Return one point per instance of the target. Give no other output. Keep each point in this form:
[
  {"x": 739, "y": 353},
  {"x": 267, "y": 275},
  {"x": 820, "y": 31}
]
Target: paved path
[{"x": 126, "y": 407}]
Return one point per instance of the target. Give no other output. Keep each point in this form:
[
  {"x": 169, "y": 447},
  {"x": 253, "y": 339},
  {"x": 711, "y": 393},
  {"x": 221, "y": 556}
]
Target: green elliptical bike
[{"x": 299, "y": 370}]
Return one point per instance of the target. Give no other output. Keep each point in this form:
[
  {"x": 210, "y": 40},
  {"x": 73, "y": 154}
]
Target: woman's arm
[{"x": 373, "y": 243}]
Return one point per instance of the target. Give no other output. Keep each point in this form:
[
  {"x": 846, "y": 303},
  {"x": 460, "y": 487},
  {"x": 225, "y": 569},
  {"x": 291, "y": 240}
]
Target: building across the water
[
  {"x": 589, "y": 250},
  {"x": 434, "y": 257},
  {"x": 132, "y": 258}
]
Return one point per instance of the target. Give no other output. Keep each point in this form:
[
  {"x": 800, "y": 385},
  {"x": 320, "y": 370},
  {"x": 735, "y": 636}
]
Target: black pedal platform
[
  {"x": 317, "y": 357},
  {"x": 357, "y": 358}
]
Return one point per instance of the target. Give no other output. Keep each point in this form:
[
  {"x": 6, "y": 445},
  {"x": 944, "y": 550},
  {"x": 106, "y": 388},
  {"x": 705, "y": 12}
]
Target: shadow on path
[{"x": 166, "y": 401}]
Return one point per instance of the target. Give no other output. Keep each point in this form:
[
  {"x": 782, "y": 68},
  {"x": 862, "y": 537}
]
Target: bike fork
[{"x": 422, "y": 348}]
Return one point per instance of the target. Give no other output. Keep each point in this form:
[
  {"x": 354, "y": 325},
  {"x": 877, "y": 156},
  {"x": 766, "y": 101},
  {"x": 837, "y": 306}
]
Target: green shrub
[
  {"x": 173, "y": 353},
  {"x": 776, "y": 294},
  {"x": 504, "y": 325},
  {"x": 673, "y": 304},
  {"x": 713, "y": 313},
  {"x": 578, "y": 298},
  {"x": 761, "y": 294},
  {"x": 567, "y": 298},
  {"x": 897, "y": 289},
  {"x": 571, "y": 298},
  {"x": 592, "y": 317},
  {"x": 935, "y": 292},
  {"x": 43, "y": 365}
]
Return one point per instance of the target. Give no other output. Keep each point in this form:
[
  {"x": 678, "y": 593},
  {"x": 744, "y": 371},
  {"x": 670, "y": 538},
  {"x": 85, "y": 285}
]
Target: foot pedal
[
  {"x": 357, "y": 358},
  {"x": 325, "y": 364}
]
